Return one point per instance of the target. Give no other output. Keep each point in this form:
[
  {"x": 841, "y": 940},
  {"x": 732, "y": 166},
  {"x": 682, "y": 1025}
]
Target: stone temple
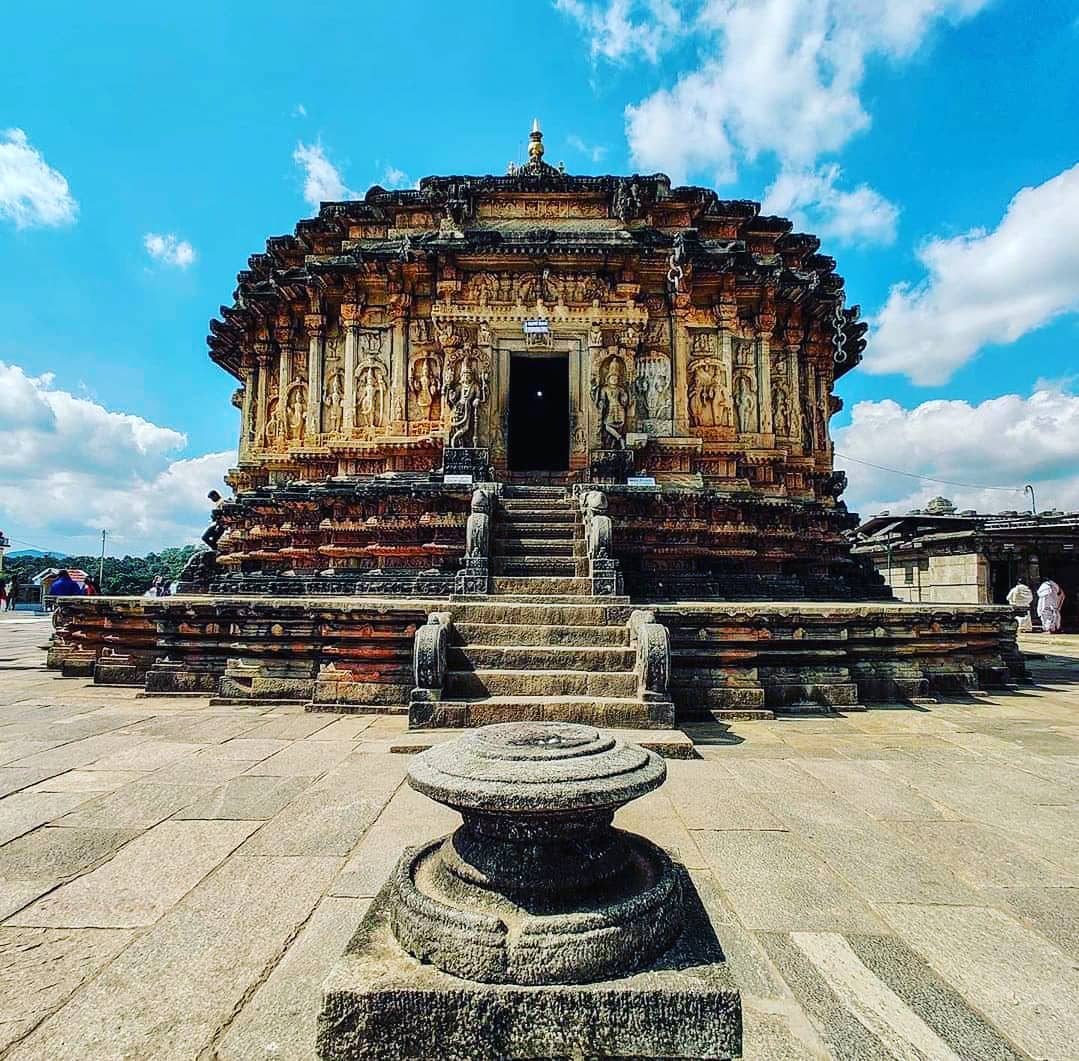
[{"x": 538, "y": 446}]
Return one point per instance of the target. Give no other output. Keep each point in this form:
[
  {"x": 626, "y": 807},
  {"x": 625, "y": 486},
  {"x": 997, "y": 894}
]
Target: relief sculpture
[
  {"x": 372, "y": 391},
  {"x": 781, "y": 412},
  {"x": 709, "y": 399},
  {"x": 464, "y": 396},
  {"x": 611, "y": 398},
  {"x": 333, "y": 403},
  {"x": 653, "y": 392},
  {"x": 425, "y": 387},
  {"x": 745, "y": 400},
  {"x": 295, "y": 411}
]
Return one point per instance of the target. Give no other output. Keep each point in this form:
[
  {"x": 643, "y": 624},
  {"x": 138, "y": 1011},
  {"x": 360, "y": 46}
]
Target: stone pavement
[{"x": 176, "y": 879}]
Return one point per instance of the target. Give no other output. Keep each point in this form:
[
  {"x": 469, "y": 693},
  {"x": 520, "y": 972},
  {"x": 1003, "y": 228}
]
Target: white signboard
[
  {"x": 537, "y": 326},
  {"x": 641, "y": 480},
  {"x": 457, "y": 480}
]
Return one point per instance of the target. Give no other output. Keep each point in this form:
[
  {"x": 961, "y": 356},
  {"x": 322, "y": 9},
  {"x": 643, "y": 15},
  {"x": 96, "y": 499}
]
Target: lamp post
[
  {"x": 1028, "y": 489},
  {"x": 101, "y": 564}
]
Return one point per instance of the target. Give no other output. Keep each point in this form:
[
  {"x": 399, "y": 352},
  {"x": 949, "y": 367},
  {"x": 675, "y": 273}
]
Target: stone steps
[
  {"x": 528, "y": 516},
  {"x": 606, "y": 712},
  {"x": 474, "y": 684},
  {"x": 541, "y": 586},
  {"x": 548, "y": 634},
  {"x": 526, "y": 610},
  {"x": 539, "y": 547},
  {"x": 565, "y": 532},
  {"x": 597, "y": 658},
  {"x": 539, "y": 566}
]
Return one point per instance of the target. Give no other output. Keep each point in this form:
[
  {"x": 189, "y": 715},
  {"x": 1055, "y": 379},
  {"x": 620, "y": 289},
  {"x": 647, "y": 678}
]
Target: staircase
[{"x": 541, "y": 647}]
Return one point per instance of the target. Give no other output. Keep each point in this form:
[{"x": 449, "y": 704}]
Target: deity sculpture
[
  {"x": 611, "y": 397},
  {"x": 333, "y": 401},
  {"x": 484, "y": 334},
  {"x": 708, "y": 405},
  {"x": 426, "y": 388},
  {"x": 808, "y": 427},
  {"x": 464, "y": 398},
  {"x": 654, "y": 398},
  {"x": 371, "y": 392},
  {"x": 745, "y": 397},
  {"x": 595, "y": 335},
  {"x": 781, "y": 412},
  {"x": 273, "y": 425},
  {"x": 295, "y": 411}
]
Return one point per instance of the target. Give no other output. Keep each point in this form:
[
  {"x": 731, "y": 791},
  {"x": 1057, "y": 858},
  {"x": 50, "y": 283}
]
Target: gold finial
[{"x": 535, "y": 145}]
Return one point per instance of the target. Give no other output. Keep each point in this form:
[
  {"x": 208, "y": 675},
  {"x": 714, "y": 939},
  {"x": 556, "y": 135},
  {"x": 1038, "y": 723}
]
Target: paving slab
[
  {"x": 24, "y": 811},
  {"x": 142, "y": 881},
  {"x": 198, "y": 769},
  {"x": 305, "y": 758},
  {"x": 1051, "y": 911},
  {"x": 171, "y": 992},
  {"x": 1019, "y": 980},
  {"x": 249, "y": 749},
  {"x": 136, "y": 806},
  {"x": 290, "y": 727},
  {"x": 57, "y": 852},
  {"x": 88, "y": 781},
  {"x": 863, "y": 785},
  {"x": 775, "y": 885},
  {"x": 280, "y": 1018},
  {"x": 43, "y": 967},
  {"x": 873, "y": 997},
  {"x": 247, "y": 798},
  {"x": 705, "y": 796},
  {"x": 408, "y": 820},
  {"x": 17, "y": 778}
]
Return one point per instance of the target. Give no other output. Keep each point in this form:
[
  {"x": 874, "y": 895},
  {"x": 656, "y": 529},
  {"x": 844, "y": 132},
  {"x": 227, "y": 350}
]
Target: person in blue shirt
[{"x": 64, "y": 586}]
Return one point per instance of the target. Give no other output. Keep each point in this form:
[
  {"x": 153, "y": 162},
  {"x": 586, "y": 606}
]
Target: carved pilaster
[
  {"x": 283, "y": 336},
  {"x": 400, "y": 307},
  {"x": 766, "y": 323},
  {"x": 315, "y": 324},
  {"x": 726, "y": 317},
  {"x": 350, "y": 318},
  {"x": 247, "y": 413},
  {"x": 680, "y": 366},
  {"x": 262, "y": 355}
]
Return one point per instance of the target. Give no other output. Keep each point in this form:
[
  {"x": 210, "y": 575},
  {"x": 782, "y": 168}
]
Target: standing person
[
  {"x": 64, "y": 585},
  {"x": 13, "y": 593},
  {"x": 89, "y": 588},
  {"x": 1050, "y": 598},
  {"x": 3, "y": 596},
  {"x": 1020, "y": 597}
]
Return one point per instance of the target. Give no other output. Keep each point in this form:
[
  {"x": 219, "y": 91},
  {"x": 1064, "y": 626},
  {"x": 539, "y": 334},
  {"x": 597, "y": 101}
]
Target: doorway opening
[{"x": 539, "y": 413}]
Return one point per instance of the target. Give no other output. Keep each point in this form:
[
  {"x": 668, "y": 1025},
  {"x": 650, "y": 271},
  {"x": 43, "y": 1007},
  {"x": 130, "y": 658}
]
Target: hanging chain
[
  {"x": 675, "y": 272},
  {"x": 839, "y": 354}
]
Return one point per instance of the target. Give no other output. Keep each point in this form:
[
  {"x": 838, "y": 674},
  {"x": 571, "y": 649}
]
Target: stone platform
[
  {"x": 178, "y": 879},
  {"x": 564, "y": 658}
]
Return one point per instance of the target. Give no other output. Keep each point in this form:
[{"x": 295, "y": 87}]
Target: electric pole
[{"x": 101, "y": 564}]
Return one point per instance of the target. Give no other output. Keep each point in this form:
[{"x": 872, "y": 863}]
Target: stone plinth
[
  {"x": 467, "y": 460},
  {"x": 537, "y": 929}
]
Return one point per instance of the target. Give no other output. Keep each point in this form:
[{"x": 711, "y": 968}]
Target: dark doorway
[{"x": 539, "y": 413}]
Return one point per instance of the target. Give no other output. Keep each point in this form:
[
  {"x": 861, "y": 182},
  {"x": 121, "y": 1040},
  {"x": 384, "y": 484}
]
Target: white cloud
[
  {"x": 779, "y": 78},
  {"x": 31, "y": 191},
  {"x": 69, "y": 467},
  {"x": 169, "y": 249},
  {"x": 299, "y": 111},
  {"x": 984, "y": 287},
  {"x": 1003, "y": 442},
  {"x": 392, "y": 177},
  {"x": 812, "y": 201},
  {"x": 596, "y": 152},
  {"x": 322, "y": 182},
  {"x": 620, "y": 28}
]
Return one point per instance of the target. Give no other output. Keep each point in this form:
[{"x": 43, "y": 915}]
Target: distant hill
[{"x": 30, "y": 552}]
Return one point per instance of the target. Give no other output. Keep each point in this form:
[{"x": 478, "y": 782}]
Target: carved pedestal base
[
  {"x": 470, "y": 460},
  {"x": 610, "y": 465}
]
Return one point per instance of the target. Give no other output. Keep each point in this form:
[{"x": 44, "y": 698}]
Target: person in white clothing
[
  {"x": 1020, "y": 597},
  {"x": 1050, "y": 599}
]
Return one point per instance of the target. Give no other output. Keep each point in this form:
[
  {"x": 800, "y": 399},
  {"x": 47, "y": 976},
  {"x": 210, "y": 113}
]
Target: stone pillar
[
  {"x": 793, "y": 335},
  {"x": 726, "y": 314},
  {"x": 247, "y": 412},
  {"x": 766, "y": 322},
  {"x": 350, "y": 317},
  {"x": 316, "y": 337},
  {"x": 680, "y": 364},
  {"x": 400, "y": 307},
  {"x": 283, "y": 335},
  {"x": 262, "y": 353}
]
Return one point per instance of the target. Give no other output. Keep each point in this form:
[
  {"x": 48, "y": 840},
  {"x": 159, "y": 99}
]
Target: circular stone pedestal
[{"x": 537, "y": 886}]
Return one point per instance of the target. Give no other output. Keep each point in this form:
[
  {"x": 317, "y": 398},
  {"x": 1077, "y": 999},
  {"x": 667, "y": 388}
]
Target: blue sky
[{"x": 900, "y": 130}]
